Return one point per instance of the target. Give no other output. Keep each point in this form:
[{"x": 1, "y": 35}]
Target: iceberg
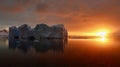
[{"x": 41, "y": 31}]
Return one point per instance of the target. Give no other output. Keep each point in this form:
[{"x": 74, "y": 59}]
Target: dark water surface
[{"x": 60, "y": 53}]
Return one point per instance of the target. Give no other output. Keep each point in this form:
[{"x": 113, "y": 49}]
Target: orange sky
[{"x": 78, "y": 16}]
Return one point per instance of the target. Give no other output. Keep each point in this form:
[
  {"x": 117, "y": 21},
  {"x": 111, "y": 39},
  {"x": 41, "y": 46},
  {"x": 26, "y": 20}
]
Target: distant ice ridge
[
  {"x": 3, "y": 33},
  {"x": 39, "y": 32}
]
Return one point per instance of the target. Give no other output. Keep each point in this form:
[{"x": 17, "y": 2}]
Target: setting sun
[{"x": 102, "y": 34}]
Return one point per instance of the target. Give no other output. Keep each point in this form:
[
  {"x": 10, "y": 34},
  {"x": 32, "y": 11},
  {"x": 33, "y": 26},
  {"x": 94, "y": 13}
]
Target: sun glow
[
  {"x": 103, "y": 35},
  {"x": 103, "y": 39},
  {"x": 102, "y": 32}
]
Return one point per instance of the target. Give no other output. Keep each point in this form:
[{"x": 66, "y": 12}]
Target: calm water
[{"x": 60, "y": 53}]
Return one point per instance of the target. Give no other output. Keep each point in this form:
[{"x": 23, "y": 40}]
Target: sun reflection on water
[{"x": 103, "y": 39}]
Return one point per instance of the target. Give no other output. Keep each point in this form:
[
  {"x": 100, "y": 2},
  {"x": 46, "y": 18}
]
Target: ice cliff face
[
  {"x": 3, "y": 32},
  {"x": 39, "y": 32},
  {"x": 13, "y": 32},
  {"x": 25, "y": 31},
  {"x": 55, "y": 31}
]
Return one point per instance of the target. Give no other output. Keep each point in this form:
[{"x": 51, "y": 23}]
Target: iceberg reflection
[{"x": 43, "y": 45}]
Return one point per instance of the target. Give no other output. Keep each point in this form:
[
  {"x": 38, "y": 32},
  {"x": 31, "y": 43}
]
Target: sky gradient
[{"x": 77, "y": 15}]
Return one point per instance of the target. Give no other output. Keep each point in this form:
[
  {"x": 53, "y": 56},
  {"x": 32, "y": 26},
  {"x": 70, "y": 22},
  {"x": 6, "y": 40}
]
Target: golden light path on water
[{"x": 103, "y": 39}]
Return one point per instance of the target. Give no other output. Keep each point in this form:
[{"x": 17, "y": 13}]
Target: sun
[{"x": 102, "y": 34}]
